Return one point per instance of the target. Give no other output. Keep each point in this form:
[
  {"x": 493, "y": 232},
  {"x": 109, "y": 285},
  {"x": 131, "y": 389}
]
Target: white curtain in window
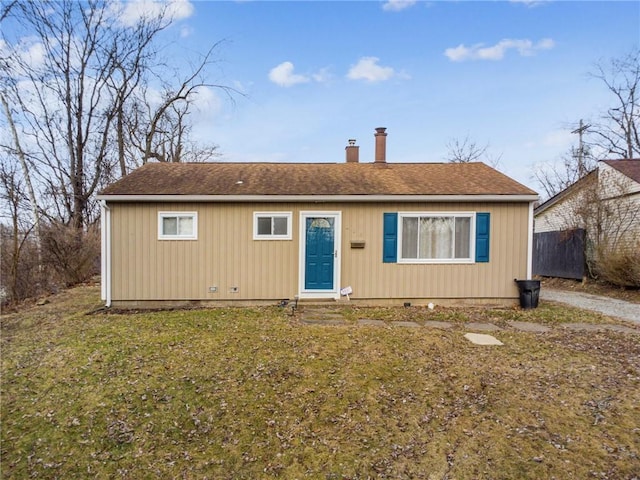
[{"x": 436, "y": 237}]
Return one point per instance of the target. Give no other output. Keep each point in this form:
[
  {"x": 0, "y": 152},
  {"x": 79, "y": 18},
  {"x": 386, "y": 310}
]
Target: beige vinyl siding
[
  {"x": 225, "y": 254},
  {"x": 364, "y": 271}
]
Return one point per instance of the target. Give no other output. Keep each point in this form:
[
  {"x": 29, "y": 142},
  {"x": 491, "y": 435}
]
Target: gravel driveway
[{"x": 605, "y": 305}]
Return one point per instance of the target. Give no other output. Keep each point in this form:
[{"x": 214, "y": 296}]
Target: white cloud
[
  {"x": 207, "y": 102},
  {"x": 368, "y": 69},
  {"x": 322, "y": 76},
  {"x": 283, "y": 75},
  {"x": 524, "y": 47},
  {"x": 135, "y": 10},
  {"x": 397, "y": 5},
  {"x": 29, "y": 51},
  {"x": 35, "y": 54}
]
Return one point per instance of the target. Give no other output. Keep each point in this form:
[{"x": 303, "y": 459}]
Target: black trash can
[{"x": 529, "y": 292}]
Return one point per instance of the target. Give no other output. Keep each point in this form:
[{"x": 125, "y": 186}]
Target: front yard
[{"x": 252, "y": 393}]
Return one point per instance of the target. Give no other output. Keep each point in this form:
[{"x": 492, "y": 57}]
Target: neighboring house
[
  {"x": 249, "y": 233},
  {"x": 605, "y": 203}
]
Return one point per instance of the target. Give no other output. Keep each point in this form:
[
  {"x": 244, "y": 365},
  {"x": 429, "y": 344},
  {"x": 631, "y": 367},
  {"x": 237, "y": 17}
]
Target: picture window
[{"x": 436, "y": 238}]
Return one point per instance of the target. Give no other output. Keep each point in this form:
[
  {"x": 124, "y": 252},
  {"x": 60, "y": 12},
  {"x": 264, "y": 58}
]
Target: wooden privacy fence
[{"x": 559, "y": 254}]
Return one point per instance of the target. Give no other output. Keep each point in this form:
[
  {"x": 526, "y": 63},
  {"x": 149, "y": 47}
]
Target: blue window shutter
[
  {"x": 482, "y": 236},
  {"x": 390, "y": 238}
]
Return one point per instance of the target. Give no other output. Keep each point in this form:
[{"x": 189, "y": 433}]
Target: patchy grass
[{"x": 251, "y": 393}]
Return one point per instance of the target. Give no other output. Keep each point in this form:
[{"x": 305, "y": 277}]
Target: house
[
  {"x": 250, "y": 233},
  {"x": 605, "y": 203}
]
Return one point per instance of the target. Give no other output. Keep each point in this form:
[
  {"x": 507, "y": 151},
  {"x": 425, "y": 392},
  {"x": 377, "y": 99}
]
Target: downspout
[
  {"x": 105, "y": 250},
  {"x": 530, "y": 243}
]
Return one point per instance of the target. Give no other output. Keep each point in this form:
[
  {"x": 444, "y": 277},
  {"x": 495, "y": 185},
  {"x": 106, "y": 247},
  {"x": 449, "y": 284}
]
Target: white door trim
[{"x": 335, "y": 293}]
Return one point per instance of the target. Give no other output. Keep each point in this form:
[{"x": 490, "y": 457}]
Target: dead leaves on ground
[{"x": 247, "y": 393}]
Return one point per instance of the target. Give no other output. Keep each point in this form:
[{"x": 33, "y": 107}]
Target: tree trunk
[{"x": 27, "y": 179}]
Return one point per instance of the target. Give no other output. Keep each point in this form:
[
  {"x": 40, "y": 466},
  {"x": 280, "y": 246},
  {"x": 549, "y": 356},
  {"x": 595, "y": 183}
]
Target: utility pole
[{"x": 582, "y": 171}]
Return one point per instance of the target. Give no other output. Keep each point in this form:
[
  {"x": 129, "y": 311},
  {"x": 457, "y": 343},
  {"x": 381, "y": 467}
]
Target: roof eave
[
  {"x": 321, "y": 198},
  {"x": 550, "y": 202}
]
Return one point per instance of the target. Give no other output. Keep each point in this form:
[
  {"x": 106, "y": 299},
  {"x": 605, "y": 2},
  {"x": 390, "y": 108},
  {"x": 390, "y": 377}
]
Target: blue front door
[{"x": 319, "y": 253}]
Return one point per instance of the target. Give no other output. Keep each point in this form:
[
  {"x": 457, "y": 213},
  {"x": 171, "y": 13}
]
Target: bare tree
[
  {"x": 165, "y": 136},
  {"x": 617, "y": 134},
  {"x": 78, "y": 103},
  {"x": 17, "y": 279},
  {"x": 604, "y": 207},
  {"x": 466, "y": 150},
  {"x": 6, "y": 7},
  {"x": 172, "y": 138},
  {"x": 574, "y": 165},
  {"x": 67, "y": 108},
  {"x": 33, "y": 203}
]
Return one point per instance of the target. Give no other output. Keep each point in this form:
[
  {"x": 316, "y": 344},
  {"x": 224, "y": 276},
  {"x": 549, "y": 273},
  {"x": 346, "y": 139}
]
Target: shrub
[
  {"x": 71, "y": 253},
  {"x": 618, "y": 267},
  {"x": 68, "y": 257},
  {"x": 21, "y": 277}
]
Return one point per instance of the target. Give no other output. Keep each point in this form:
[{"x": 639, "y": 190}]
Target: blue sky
[{"x": 511, "y": 74}]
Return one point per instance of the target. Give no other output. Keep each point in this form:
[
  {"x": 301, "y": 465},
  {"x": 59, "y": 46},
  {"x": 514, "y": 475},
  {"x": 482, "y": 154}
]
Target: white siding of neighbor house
[
  {"x": 561, "y": 215},
  {"x": 620, "y": 196},
  {"x": 614, "y": 183}
]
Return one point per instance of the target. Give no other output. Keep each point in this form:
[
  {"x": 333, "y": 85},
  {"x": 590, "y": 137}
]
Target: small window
[
  {"x": 436, "y": 238},
  {"x": 177, "y": 225},
  {"x": 272, "y": 226}
]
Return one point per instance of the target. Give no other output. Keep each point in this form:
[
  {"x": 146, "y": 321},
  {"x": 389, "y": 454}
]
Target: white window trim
[
  {"x": 472, "y": 236},
  {"x": 287, "y": 215},
  {"x": 193, "y": 215}
]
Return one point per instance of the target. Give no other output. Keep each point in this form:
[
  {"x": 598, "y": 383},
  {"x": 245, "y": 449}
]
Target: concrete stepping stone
[
  {"x": 591, "y": 327},
  {"x": 529, "y": 327},
  {"x": 322, "y": 316},
  {"x": 483, "y": 327},
  {"x": 621, "y": 329},
  {"x": 323, "y": 321},
  {"x": 437, "y": 324},
  {"x": 405, "y": 324},
  {"x": 582, "y": 327},
  {"x": 482, "y": 339},
  {"x": 371, "y": 322}
]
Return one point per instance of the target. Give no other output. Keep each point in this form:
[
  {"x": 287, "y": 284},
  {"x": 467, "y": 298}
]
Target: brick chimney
[
  {"x": 352, "y": 151},
  {"x": 381, "y": 145}
]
